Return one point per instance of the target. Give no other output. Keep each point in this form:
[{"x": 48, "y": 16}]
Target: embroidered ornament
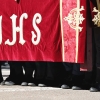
[
  {"x": 96, "y": 18},
  {"x": 72, "y": 18}
]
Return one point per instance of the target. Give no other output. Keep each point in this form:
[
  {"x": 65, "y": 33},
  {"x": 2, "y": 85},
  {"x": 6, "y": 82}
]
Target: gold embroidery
[
  {"x": 96, "y": 18},
  {"x": 72, "y": 18}
]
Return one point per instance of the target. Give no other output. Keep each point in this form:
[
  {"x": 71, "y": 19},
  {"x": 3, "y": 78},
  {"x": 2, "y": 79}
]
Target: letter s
[{"x": 36, "y": 20}]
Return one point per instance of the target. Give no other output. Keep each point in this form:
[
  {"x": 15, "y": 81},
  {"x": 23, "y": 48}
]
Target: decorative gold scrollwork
[{"x": 72, "y": 18}]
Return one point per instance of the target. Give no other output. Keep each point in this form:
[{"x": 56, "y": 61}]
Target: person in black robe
[
  {"x": 17, "y": 77},
  {"x": 95, "y": 74},
  {"x": 96, "y": 78},
  {"x": 48, "y": 74},
  {"x": 73, "y": 77}
]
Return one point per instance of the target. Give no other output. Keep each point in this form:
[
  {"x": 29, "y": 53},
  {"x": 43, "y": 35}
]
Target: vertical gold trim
[
  {"x": 63, "y": 55},
  {"x": 98, "y": 4},
  {"x": 77, "y": 29}
]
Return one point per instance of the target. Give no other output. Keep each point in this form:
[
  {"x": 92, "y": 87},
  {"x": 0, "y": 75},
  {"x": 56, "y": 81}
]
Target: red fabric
[
  {"x": 50, "y": 45},
  {"x": 49, "y": 48},
  {"x": 74, "y": 51},
  {"x": 88, "y": 64}
]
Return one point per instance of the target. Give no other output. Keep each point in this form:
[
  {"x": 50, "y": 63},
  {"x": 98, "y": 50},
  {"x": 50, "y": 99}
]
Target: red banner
[
  {"x": 30, "y": 30},
  {"x": 73, "y": 30},
  {"x": 33, "y": 30}
]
